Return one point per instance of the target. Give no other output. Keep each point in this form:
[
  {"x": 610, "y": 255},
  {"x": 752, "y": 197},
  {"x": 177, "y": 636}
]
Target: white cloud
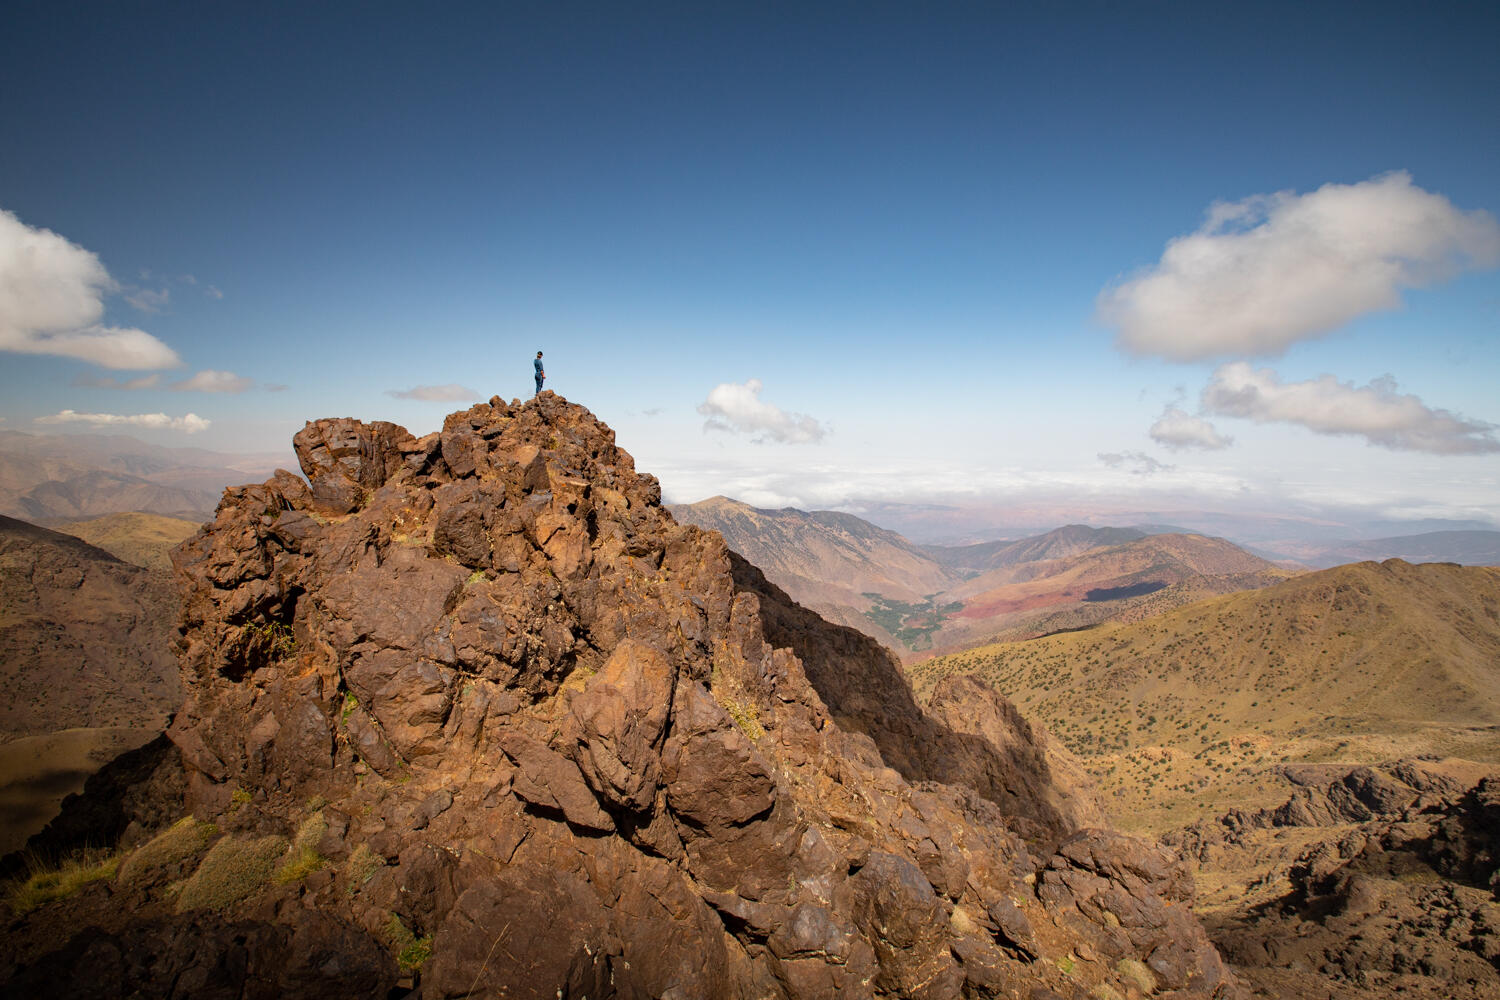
[
  {"x": 739, "y": 408},
  {"x": 1264, "y": 273},
  {"x": 189, "y": 423},
  {"x": 51, "y": 301},
  {"x": 213, "y": 292},
  {"x": 435, "y": 393},
  {"x": 149, "y": 301},
  {"x": 1139, "y": 463},
  {"x": 210, "y": 380},
  {"x": 1177, "y": 429},
  {"x": 1375, "y": 412}
]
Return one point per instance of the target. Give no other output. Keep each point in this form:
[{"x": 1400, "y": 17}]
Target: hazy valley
[{"x": 920, "y": 600}]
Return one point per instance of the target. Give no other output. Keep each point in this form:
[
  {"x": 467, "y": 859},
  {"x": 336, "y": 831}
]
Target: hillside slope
[
  {"x": 142, "y": 539},
  {"x": 86, "y": 667},
  {"x": 827, "y": 561},
  {"x": 821, "y": 550},
  {"x": 1469, "y": 548},
  {"x": 1361, "y": 662},
  {"x": 85, "y": 638}
]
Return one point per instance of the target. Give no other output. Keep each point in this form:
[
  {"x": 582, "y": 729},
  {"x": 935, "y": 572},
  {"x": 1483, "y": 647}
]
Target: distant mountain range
[
  {"x": 51, "y": 477},
  {"x": 921, "y": 599},
  {"x": 1468, "y": 548},
  {"x": 1069, "y": 540}
]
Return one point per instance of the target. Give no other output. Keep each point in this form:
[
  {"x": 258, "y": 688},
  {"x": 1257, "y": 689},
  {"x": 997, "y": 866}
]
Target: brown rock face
[{"x": 585, "y": 751}]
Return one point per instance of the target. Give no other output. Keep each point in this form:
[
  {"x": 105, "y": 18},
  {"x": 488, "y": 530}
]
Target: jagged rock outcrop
[
  {"x": 1396, "y": 891},
  {"x": 504, "y": 706}
]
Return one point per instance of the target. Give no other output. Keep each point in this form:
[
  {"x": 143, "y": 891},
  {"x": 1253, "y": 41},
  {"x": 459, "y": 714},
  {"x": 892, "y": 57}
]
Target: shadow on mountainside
[{"x": 972, "y": 736}]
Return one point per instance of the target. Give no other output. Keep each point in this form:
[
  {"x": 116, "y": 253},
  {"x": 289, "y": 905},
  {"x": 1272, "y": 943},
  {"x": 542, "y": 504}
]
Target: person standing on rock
[{"x": 541, "y": 376}]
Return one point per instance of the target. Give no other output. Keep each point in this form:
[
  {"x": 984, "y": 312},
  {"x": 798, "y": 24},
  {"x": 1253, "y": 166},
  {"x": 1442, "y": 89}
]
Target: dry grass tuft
[
  {"x": 45, "y": 885},
  {"x": 360, "y": 868},
  {"x": 181, "y": 840},
  {"x": 231, "y": 871}
]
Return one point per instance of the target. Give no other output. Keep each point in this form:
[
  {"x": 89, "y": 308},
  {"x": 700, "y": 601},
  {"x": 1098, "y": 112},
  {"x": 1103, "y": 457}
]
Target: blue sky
[{"x": 807, "y": 254}]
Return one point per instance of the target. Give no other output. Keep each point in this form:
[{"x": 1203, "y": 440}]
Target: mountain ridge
[{"x": 902, "y": 595}]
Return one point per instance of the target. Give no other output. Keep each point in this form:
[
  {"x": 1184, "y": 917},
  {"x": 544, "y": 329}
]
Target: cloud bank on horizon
[
  {"x": 189, "y": 423},
  {"x": 1270, "y": 271}
]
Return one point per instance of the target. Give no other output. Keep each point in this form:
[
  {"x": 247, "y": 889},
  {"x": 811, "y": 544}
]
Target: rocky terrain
[
  {"x": 1366, "y": 881},
  {"x": 472, "y": 715}
]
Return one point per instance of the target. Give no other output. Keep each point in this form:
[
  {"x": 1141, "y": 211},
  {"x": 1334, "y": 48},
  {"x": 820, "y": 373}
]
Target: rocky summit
[{"x": 470, "y": 715}]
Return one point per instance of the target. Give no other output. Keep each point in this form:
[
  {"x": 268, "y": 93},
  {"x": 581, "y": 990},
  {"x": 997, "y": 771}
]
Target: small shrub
[
  {"x": 745, "y": 716},
  {"x": 412, "y": 952},
  {"x": 231, "y": 871},
  {"x": 360, "y": 868},
  {"x": 277, "y": 637},
  {"x": 45, "y": 885},
  {"x": 181, "y": 840},
  {"x": 239, "y": 797}
]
